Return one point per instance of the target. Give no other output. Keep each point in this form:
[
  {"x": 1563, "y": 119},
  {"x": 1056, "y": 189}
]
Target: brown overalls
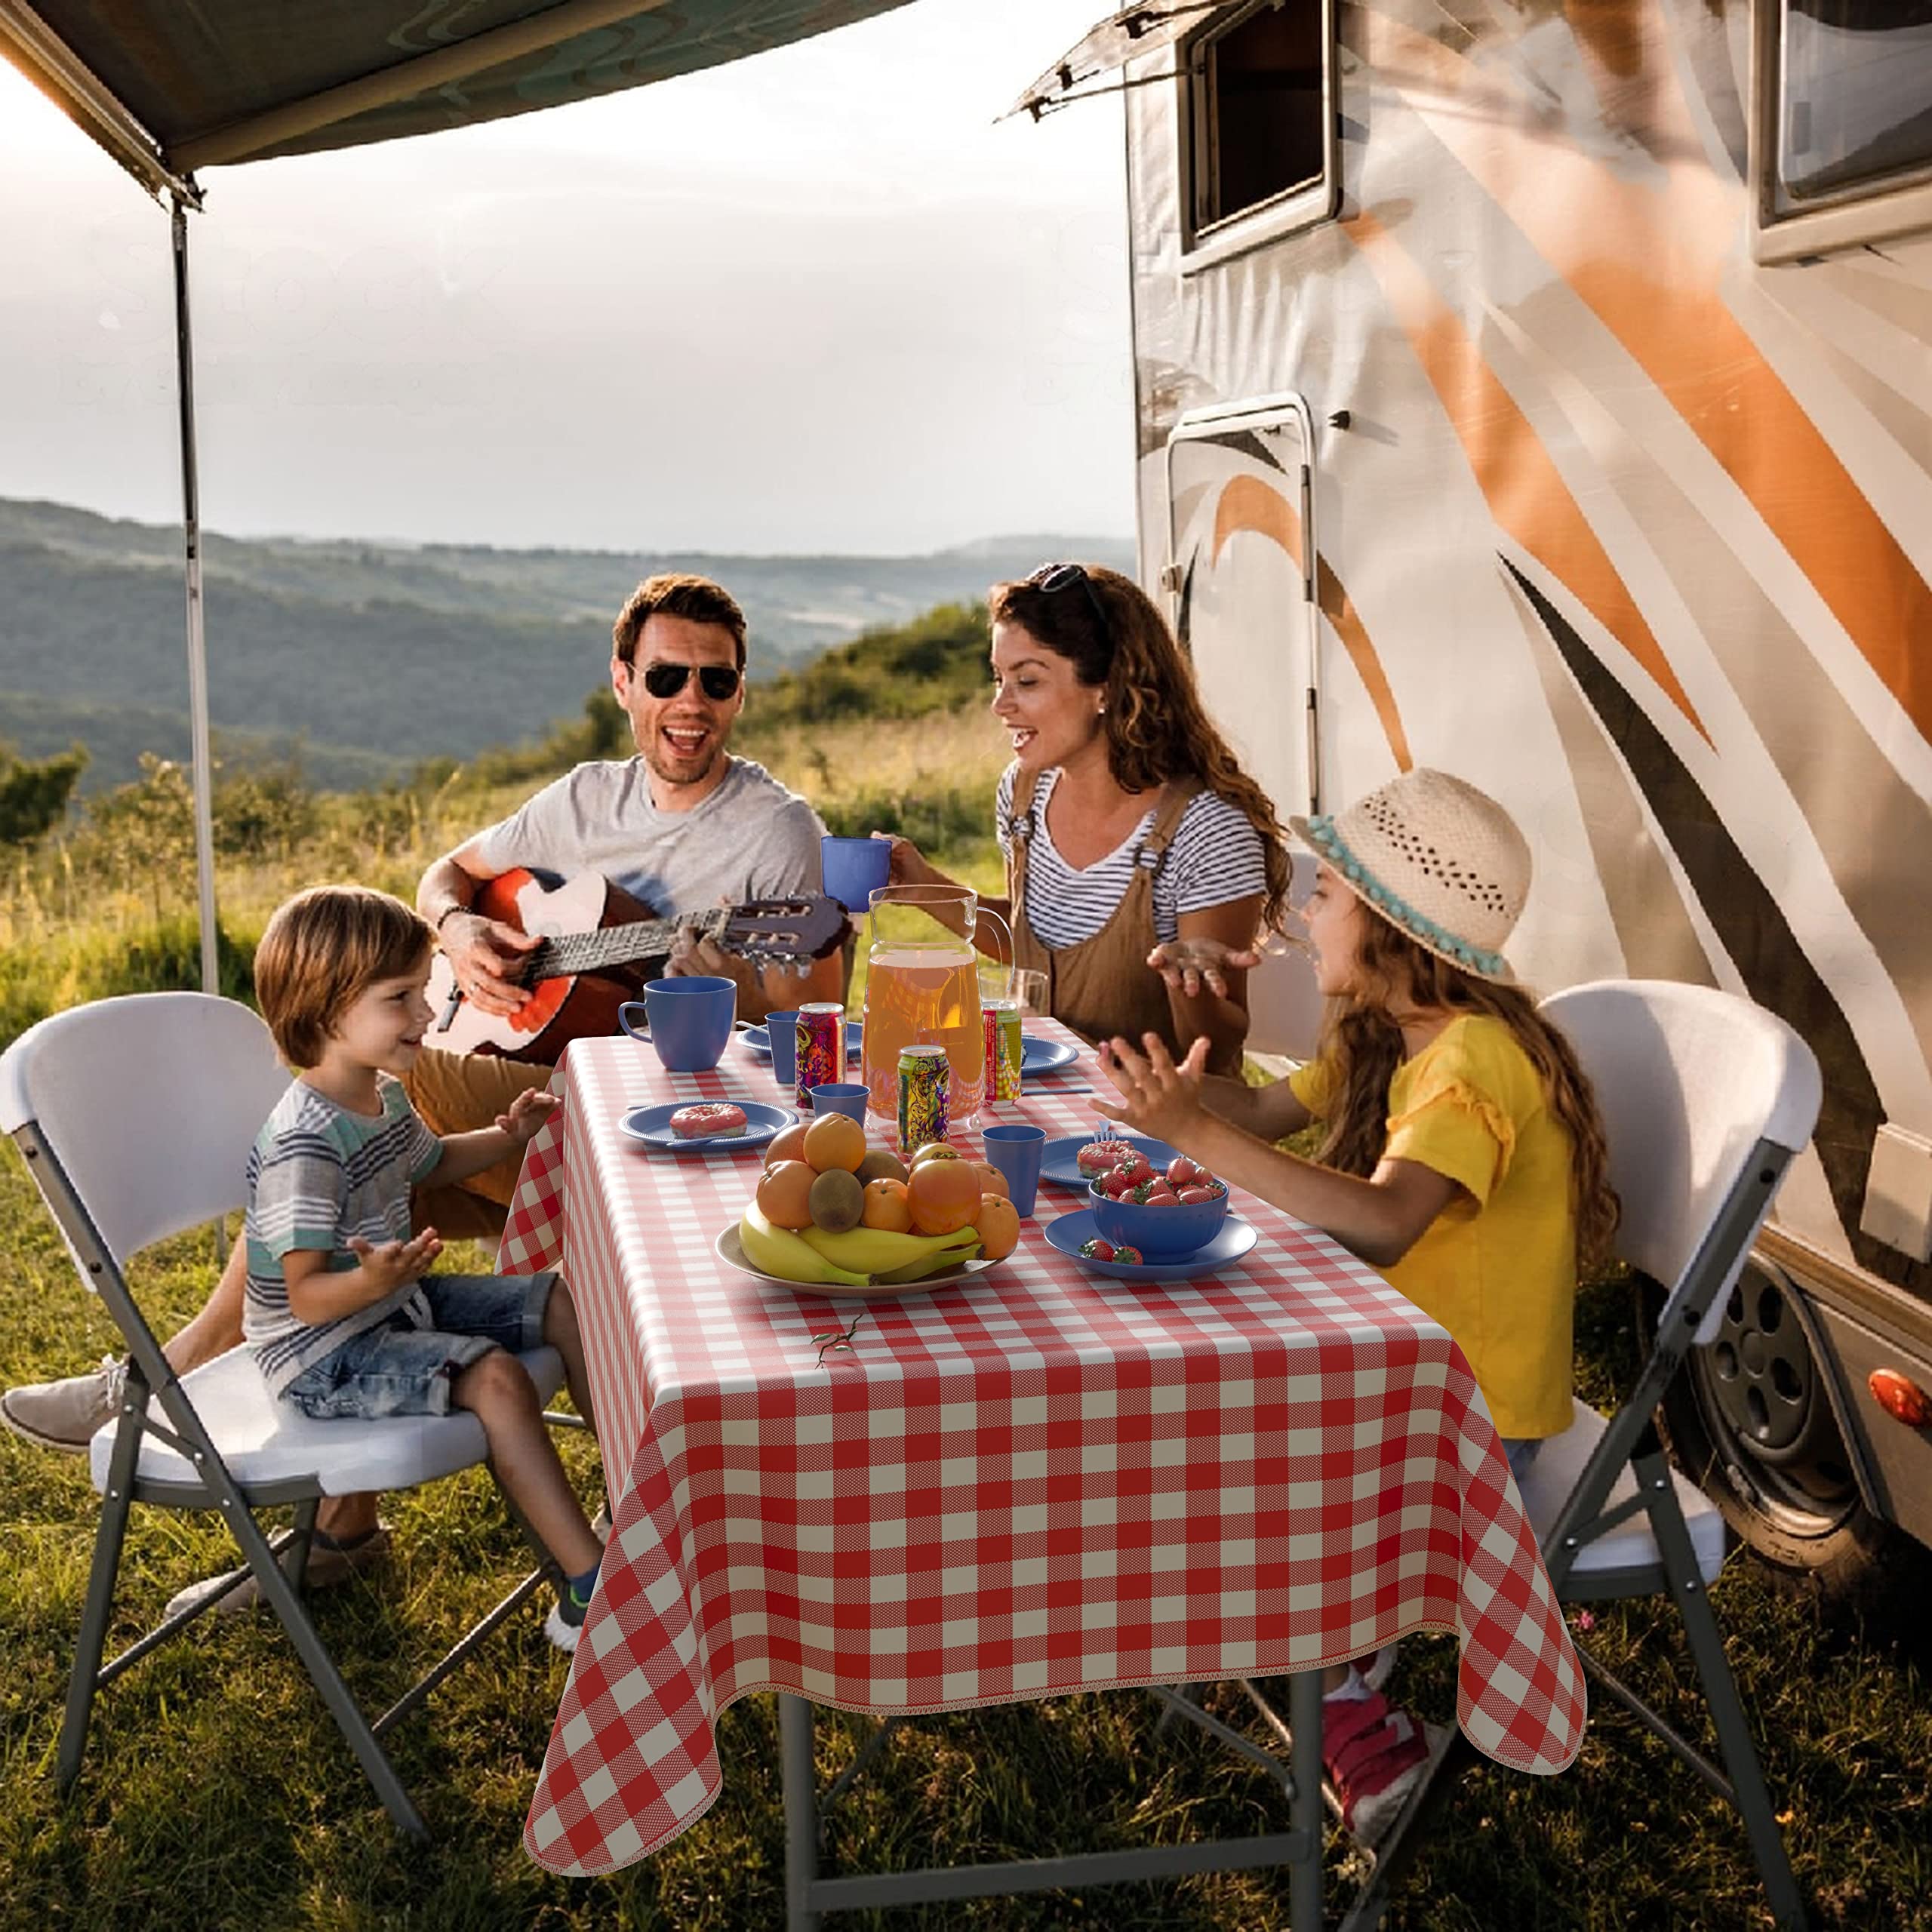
[{"x": 1103, "y": 986}]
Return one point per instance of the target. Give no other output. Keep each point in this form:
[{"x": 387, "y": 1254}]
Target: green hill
[{"x": 369, "y": 657}]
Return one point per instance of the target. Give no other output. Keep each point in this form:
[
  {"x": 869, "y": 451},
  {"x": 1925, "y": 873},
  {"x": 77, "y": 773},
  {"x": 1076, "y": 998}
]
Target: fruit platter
[{"x": 834, "y": 1214}]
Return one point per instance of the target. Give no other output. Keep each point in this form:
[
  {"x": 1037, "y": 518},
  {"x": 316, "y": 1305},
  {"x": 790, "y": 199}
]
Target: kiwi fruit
[
  {"x": 837, "y": 1200},
  {"x": 881, "y": 1164}
]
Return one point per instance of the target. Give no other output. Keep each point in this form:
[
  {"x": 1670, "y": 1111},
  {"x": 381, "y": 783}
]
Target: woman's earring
[{"x": 1103, "y": 708}]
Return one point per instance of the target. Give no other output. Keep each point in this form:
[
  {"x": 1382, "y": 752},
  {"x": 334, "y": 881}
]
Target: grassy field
[{"x": 216, "y": 1792}]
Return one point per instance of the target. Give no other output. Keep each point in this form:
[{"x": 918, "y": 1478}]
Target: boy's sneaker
[
  {"x": 1373, "y": 1756},
  {"x": 66, "y": 1415},
  {"x": 564, "y": 1624},
  {"x": 330, "y": 1562}
]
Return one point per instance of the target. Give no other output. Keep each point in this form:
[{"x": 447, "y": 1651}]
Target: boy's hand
[
  {"x": 396, "y": 1263},
  {"x": 1188, "y": 964},
  {"x": 526, "y": 1113},
  {"x": 1157, "y": 1098}
]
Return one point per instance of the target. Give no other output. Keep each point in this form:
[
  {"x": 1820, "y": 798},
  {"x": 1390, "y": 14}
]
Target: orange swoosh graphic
[
  {"x": 1248, "y": 503},
  {"x": 1650, "y": 261},
  {"x": 1526, "y": 493}
]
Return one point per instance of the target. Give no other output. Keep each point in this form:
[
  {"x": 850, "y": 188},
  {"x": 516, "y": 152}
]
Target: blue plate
[
  {"x": 1058, "y": 1165},
  {"x": 1039, "y": 1056},
  {"x": 1234, "y": 1239},
  {"x": 758, "y": 1039},
  {"x": 650, "y": 1127}
]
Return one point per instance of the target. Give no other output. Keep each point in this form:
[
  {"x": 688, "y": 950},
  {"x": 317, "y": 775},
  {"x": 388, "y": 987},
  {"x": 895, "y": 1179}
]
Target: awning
[
  {"x": 1121, "y": 37},
  {"x": 167, "y": 86}
]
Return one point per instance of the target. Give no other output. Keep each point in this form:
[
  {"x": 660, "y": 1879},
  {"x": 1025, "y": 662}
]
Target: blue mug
[
  {"x": 690, "y": 1020},
  {"x": 853, "y": 870}
]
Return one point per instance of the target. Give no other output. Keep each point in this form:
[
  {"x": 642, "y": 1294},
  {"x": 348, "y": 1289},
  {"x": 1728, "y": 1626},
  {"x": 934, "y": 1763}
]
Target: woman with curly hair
[{"x": 1142, "y": 861}]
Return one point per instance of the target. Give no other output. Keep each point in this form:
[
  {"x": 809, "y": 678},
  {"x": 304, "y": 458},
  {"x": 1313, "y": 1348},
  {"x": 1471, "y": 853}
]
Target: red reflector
[{"x": 1900, "y": 1397}]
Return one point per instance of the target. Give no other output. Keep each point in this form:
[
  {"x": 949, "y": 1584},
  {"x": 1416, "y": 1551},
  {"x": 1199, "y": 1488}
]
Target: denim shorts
[
  {"x": 1521, "y": 1451},
  {"x": 395, "y": 1370}
]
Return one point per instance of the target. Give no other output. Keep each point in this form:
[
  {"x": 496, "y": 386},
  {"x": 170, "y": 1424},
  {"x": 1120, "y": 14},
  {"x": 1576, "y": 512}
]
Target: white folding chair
[
  {"x": 1706, "y": 1100},
  {"x": 136, "y": 1116}
]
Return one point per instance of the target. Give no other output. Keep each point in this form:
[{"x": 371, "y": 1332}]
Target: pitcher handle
[{"x": 987, "y": 913}]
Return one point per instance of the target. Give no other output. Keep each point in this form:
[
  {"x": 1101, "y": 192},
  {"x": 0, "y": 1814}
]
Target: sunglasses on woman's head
[
  {"x": 717, "y": 682},
  {"x": 1050, "y": 577}
]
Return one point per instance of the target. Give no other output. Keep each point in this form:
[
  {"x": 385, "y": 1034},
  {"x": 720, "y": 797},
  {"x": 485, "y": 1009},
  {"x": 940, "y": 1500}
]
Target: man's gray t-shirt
[{"x": 749, "y": 838}]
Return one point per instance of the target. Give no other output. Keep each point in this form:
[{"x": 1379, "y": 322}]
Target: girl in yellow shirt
[{"x": 1461, "y": 1153}]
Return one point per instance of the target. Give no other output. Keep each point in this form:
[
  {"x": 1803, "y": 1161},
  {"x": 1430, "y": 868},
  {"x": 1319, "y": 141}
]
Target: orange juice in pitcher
[{"x": 922, "y": 989}]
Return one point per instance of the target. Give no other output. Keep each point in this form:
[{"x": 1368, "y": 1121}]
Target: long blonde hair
[
  {"x": 1362, "y": 1045},
  {"x": 1157, "y": 727}
]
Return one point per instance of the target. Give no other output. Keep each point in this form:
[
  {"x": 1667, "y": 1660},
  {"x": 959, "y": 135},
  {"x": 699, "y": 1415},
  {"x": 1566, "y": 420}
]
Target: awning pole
[{"x": 198, "y": 667}]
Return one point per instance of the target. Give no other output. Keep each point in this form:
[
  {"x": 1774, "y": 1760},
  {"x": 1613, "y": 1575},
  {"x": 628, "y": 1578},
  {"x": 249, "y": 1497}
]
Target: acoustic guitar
[{"x": 596, "y": 936}]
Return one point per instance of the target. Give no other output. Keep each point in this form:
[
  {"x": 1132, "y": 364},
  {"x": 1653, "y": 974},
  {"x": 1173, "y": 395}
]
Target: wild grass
[{"x": 216, "y": 1791}]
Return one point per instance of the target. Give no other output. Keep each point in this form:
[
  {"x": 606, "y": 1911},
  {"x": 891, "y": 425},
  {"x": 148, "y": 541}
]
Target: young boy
[{"x": 345, "y": 1319}]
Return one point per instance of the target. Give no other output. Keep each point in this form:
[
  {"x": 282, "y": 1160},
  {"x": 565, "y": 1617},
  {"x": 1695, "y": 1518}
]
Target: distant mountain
[{"x": 368, "y": 657}]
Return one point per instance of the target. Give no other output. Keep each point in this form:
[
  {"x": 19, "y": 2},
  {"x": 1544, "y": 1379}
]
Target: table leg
[
  {"x": 1305, "y": 1813},
  {"x": 800, "y": 1782}
]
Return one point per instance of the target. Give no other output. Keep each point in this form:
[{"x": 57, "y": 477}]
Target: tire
[{"x": 1749, "y": 1419}]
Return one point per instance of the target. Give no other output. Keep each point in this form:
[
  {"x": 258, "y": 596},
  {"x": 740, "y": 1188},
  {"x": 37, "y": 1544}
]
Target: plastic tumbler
[{"x": 1017, "y": 1150}]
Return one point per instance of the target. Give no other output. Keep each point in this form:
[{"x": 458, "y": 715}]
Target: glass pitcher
[{"x": 922, "y": 989}]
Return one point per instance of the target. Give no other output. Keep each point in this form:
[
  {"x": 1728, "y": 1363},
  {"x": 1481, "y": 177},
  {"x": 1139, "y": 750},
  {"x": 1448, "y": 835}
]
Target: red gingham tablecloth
[{"x": 1039, "y": 1482}]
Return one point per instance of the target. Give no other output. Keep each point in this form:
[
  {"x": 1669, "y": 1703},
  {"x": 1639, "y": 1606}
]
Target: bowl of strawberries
[{"x": 1166, "y": 1214}]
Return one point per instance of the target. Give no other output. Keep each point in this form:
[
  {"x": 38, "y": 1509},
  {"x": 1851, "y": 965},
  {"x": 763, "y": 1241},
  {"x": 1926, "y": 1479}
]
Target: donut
[
  {"x": 1098, "y": 1156},
  {"x": 709, "y": 1120}
]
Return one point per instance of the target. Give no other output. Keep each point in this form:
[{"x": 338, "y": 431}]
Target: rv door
[{"x": 1241, "y": 575}]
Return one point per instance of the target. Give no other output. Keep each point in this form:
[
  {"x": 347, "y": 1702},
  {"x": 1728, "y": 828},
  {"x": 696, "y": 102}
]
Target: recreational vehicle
[{"x": 1542, "y": 389}]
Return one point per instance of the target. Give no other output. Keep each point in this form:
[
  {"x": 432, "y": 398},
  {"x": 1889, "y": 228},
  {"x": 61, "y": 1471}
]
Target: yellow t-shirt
[{"x": 1497, "y": 1267}]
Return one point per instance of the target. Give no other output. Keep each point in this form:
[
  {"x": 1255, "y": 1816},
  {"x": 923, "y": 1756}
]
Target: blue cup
[
  {"x": 690, "y": 1020},
  {"x": 783, "y": 1030},
  {"x": 1016, "y": 1150},
  {"x": 841, "y": 1096},
  {"x": 854, "y": 868}
]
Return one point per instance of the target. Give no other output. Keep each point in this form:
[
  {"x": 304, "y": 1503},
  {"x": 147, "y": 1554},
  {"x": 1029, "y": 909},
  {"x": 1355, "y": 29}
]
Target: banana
[
  {"x": 776, "y": 1251},
  {"x": 947, "y": 1257},
  {"x": 874, "y": 1250}
]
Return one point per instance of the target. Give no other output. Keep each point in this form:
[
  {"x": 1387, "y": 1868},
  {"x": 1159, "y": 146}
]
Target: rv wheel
[{"x": 1749, "y": 1419}]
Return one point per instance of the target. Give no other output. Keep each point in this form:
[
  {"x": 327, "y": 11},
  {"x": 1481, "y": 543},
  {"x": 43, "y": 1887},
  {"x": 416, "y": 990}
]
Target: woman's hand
[
  {"x": 1188, "y": 964},
  {"x": 1157, "y": 1098}
]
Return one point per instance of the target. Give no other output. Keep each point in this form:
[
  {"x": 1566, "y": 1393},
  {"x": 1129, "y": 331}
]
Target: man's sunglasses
[
  {"x": 718, "y": 682},
  {"x": 1050, "y": 577}
]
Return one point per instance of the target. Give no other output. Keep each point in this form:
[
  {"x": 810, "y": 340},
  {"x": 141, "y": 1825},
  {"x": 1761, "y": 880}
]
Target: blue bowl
[{"x": 1161, "y": 1234}]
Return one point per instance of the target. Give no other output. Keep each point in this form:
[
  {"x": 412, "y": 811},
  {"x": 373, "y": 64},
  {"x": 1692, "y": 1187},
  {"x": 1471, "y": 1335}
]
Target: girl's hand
[
  {"x": 1158, "y": 1098},
  {"x": 396, "y": 1263},
  {"x": 526, "y": 1113},
  {"x": 907, "y": 865},
  {"x": 1188, "y": 964}
]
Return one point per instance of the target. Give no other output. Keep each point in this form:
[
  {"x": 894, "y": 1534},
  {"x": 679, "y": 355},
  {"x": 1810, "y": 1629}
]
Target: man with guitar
[{"x": 678, "y": 828}]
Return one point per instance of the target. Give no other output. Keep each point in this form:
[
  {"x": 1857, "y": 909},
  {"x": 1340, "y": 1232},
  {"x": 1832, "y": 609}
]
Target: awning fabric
[{"x": 223, "y": 81}]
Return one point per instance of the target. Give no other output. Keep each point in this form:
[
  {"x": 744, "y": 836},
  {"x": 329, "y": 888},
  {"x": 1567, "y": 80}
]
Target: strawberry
[
  {"x": 1131, "y": 1258},
  {"x": 1192, "y": 1194},
  {"x": 1135, "y": 1166},
  {"x": 1115, "y": 1184},
  {"x": 1142, "y": 1194},
  {"x": 1097, "y": 1249},
  {"x": 1181, "y": 1170}
]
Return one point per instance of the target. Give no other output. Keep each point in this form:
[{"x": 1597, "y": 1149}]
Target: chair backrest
[
  {"x": 1689, "y": 1081},
  {"x": 1284, "y": 1005},
  {"x": 150, "y": 1103}
]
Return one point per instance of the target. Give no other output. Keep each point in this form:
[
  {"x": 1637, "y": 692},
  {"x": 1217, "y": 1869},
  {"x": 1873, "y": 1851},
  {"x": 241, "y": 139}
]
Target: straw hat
[{"x": 1435, "y": 857}]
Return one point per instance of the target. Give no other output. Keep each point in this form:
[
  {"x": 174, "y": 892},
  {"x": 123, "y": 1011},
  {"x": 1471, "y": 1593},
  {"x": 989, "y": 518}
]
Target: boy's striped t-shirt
[{"x": 318, "y": 1175}]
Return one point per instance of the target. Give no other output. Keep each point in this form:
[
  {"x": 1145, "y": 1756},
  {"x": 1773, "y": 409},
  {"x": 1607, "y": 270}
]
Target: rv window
[
  {"x": 1257, "y": 83},
  {"x": 1856, "y": 114}
]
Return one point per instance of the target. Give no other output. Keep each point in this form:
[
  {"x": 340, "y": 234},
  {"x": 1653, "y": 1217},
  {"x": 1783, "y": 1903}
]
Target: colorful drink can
[
  {"x": 821, "y": 1047},
  {"x": 1005, "y": 1049},
  {"x": 925, "y": 1080}
]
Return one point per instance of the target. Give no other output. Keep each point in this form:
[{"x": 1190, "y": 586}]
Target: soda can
[
  {"x": 925, "y": 1079},
  {"x": 821, "y": 1047},
  {"x": 1005, "y": 1049}
]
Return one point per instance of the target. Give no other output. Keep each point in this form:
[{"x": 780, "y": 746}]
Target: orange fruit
[
  {"x": 784, "y": 1194},
  {"x": 998, "y": 1223},
  {"x": 787, "y": 1145},
  {"x": 991, "y": 1181},
  {"x": 934, "y": 1150},
  {"x": 944, "y": 1195},
  {"x": 887, "y": 1206},
  {"x": 835, "y": 1140}
]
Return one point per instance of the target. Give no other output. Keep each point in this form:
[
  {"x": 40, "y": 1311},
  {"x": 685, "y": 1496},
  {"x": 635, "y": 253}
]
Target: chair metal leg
[
  {"x": 1727, "y": 1708},
  {"x": 108, "y": 1537},
  {"x": 799, "y": 1779}
]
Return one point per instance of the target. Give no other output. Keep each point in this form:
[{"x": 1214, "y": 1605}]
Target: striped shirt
[
  {"x": 1215, "y": 855},
  {"x": 317, "y": 1175}
]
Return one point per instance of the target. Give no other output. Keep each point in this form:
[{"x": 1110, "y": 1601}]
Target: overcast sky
[{"x": 815, "y": 301}]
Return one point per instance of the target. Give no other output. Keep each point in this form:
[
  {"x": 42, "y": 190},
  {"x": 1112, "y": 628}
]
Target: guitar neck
[{"x": 571, "y": 953}]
